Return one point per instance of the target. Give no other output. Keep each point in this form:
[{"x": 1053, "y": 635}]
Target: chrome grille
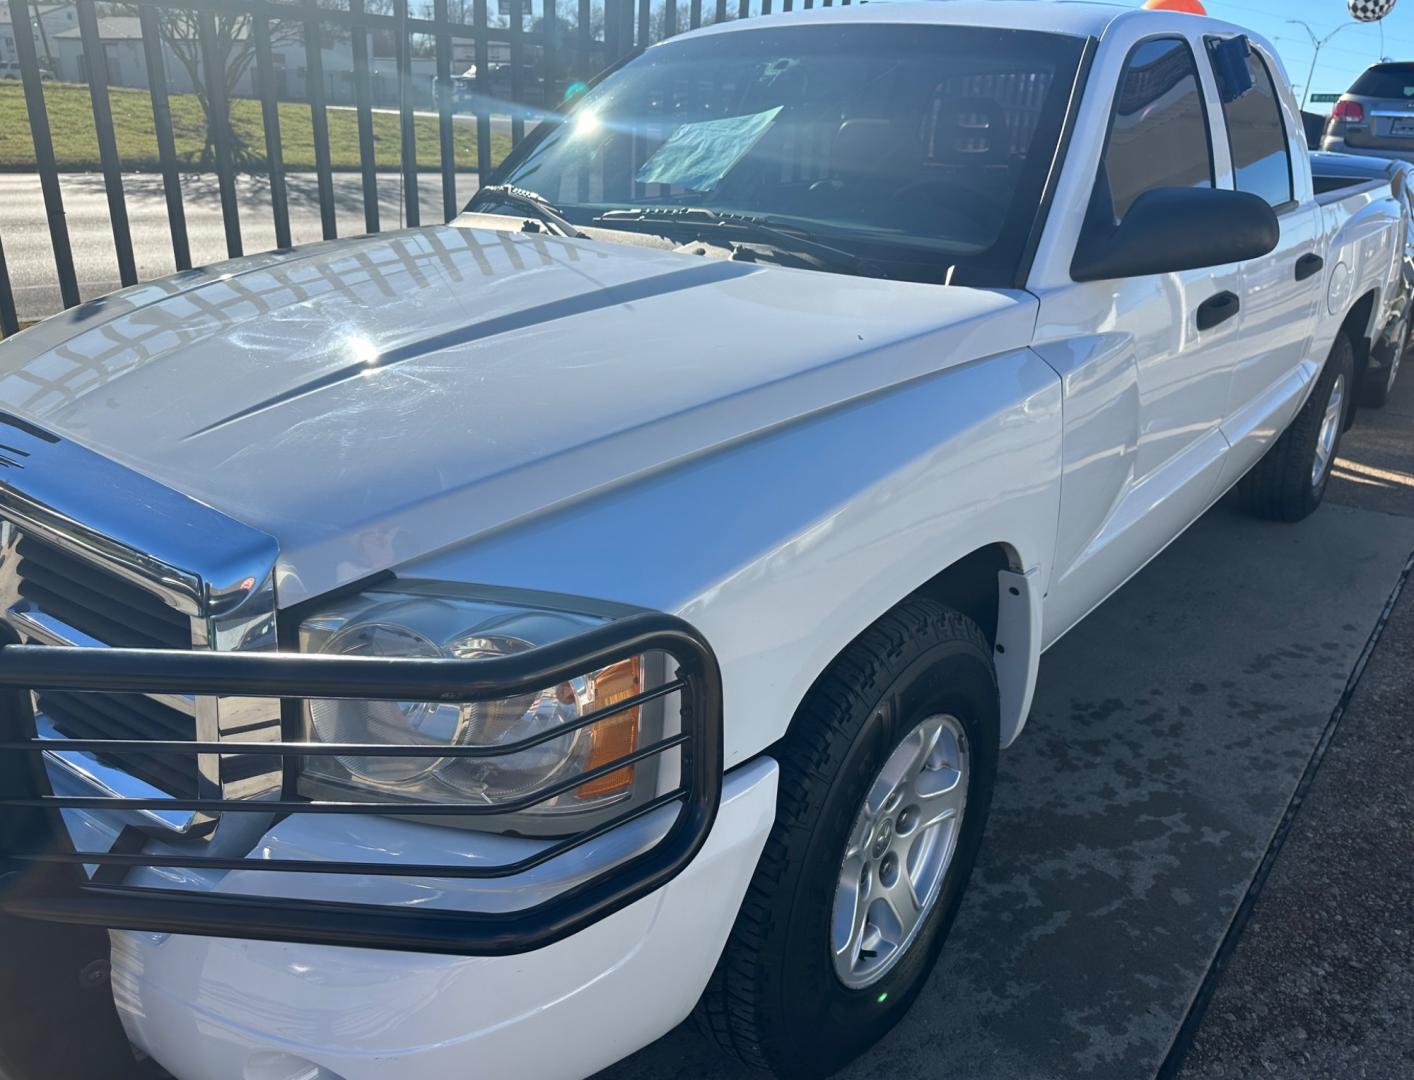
[
  {"x": 127, "y": 716},
  {"x": 75, "y": 598},
  {"x": 96, "y": 602},
  {"x": 97, "y": 556}
]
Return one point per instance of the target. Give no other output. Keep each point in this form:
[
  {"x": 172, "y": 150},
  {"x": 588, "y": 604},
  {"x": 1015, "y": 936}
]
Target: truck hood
[{"x": 369, "y": 401}]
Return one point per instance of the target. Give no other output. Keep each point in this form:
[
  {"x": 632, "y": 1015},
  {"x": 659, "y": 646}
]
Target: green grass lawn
[{"x": 76, "y": 145}]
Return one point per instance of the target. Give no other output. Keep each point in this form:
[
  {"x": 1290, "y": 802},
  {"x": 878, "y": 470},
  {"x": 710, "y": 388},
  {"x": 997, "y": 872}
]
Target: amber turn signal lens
[{"x": 617, "y": 735}]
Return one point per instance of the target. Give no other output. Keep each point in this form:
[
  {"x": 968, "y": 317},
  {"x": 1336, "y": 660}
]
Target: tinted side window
[
  {"x": 1159, "y": 132},
  {"x": 1261, "y": 162}
]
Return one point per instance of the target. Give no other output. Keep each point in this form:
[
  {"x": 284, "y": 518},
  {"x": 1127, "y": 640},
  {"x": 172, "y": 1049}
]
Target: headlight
[{"x": 411, "y": 623}]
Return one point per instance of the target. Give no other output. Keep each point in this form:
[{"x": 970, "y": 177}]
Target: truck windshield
[{"x": 922, "y": 150}]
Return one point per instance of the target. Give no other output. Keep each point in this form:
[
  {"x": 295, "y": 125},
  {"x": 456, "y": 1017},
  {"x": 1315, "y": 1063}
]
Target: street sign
[{"x": 1324, "y": 99}]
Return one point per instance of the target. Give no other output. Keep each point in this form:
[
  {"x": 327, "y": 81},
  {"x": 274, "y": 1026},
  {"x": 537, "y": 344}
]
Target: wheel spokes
[
  {"x": 847, "y": 921},
  {"x": 905, "y": 904},
  {"x": 940, "y": 798},
  {"x": 898, "y": 850},
  {"x": 1329, "y": 433}
]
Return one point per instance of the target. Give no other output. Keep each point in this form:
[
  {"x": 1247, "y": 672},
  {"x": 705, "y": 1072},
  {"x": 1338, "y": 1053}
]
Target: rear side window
[
  {"x": 1261, "y": 159},
  {"x": 1386, "y": 81},
  {"x": 1159, "y": 131}
]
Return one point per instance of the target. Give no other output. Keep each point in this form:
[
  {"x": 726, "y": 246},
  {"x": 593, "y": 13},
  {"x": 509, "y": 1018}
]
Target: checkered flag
[{"x": 1370, "y": 10}]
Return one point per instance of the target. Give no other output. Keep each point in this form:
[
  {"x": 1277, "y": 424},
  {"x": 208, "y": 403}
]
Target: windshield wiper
[
  {"x": 523, "y": 199},
  {"x": 745, "y": 228}
]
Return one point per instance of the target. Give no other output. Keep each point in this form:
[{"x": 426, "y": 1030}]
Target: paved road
[
  {"x": 29, "y": 256},
  {"x": 500, "y": 123}
]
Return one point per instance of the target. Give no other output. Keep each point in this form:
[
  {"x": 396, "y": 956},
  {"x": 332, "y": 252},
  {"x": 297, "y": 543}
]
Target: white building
[
  {"x": 121, "y": 40},
  {"x": 49, "y": 21},
  {"x": 120, "y": 37}
]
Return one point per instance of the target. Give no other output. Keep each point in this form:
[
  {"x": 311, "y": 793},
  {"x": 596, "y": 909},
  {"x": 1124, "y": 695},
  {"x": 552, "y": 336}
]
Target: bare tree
[
  {"x": 233, "y": 49},
  {"x": 233, "y": 53}
]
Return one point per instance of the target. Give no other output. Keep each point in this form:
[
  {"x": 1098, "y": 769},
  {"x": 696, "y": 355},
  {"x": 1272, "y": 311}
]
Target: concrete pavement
[
  {"x": 1321, "y": 980},
  {"x": 24, "y": 229}
]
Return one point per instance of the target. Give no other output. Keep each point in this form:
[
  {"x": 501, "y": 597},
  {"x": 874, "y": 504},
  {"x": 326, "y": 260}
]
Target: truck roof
[{"x": 1078, "y": 18}]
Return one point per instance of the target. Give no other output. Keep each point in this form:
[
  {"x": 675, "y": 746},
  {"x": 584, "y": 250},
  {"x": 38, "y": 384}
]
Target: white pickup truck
[{"x": 466, "y": 651}]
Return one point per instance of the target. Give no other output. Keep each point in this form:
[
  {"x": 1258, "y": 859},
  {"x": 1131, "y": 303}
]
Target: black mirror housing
[{"x": 1173, "y": 228}]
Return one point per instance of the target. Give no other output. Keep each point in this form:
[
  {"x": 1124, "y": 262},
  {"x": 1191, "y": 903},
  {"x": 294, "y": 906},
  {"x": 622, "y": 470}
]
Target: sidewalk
[{"x": 1321, "y": 983}]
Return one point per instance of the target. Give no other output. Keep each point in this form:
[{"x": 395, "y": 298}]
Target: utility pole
[
  {"x": 39, "y": 13},
  {"x": 1317, "y": 44}
]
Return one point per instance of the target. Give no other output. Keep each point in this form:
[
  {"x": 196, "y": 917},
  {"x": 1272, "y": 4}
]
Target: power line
[{"x": 1331, "y": 49}]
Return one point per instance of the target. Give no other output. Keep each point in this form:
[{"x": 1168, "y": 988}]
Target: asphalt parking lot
[{"x": 1169, "y": 735}]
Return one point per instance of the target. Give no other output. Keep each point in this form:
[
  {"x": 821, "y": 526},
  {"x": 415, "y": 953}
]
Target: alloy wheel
[
  {"x": 899, "y": 850},
  {"x": 1330, "y": 430}
]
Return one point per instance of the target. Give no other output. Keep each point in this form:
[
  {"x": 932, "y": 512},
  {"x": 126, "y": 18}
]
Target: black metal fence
[{"x": 541, "y": 49}]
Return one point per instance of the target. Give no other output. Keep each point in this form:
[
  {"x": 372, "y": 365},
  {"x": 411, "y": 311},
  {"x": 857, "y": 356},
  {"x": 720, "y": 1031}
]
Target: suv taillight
[{"x": 1352, "y": 112}]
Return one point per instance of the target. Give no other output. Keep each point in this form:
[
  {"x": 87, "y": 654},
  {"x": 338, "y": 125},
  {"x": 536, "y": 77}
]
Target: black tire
[
  {"x": 1378, "y": 382},
  {"x": 1280, "y": 487},
  {"x": 774, "y": 1001}
]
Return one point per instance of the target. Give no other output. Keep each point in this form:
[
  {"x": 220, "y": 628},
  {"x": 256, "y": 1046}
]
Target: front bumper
[
  {"x": 223, "y": 1009},
  {"x": 48, "y": 873}
]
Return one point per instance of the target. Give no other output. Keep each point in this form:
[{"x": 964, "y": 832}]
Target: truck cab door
[
  {"x": 1146, "y": 362},
  {"x": 1281, "y": 291}
]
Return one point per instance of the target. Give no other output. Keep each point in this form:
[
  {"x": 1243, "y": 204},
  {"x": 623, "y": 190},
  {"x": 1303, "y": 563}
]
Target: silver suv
[{"x": 1376, "y": 115}]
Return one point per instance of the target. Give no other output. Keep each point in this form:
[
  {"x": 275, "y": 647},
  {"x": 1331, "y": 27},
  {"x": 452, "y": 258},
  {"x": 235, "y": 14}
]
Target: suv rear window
[{"x": 1386, "y": 81}]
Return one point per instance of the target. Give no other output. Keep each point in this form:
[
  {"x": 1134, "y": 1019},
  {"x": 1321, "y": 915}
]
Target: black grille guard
[{"x": 42, "y": 876}]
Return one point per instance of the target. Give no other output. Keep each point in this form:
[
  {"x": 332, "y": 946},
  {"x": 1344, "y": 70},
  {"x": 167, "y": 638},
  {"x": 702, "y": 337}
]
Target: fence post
[
  {"x": 363, "y": 103},
  {"x": 319, "y": 123},
  {"x": 220, "y": 128},
  {"x": 550, "y": 52},
  {"x": 445, "y": 133},
  {"x": 483, "y": 92},
  {"x": 517, "y": 62},
  {"x": 586, "y": 41},
  {"x": 9, "y": 321},
  {"x": 407, "y": 128},
  {"x": 107, "y": 142},
  {"x": 270, "y": 115},
  {"x": 44, "y": 152},
  {"x": 162, "y": 127}
]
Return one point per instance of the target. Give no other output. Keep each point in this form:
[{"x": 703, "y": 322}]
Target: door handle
[
  {"x": 1307, "y": 265},
  {"x": 1217, "y": 309}
]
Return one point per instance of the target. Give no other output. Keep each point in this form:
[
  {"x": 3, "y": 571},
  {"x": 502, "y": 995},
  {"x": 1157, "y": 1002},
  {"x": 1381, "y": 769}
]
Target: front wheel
[
  {"x": 886, "y": 781},
  {"x": 1290, "y": 481}
]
